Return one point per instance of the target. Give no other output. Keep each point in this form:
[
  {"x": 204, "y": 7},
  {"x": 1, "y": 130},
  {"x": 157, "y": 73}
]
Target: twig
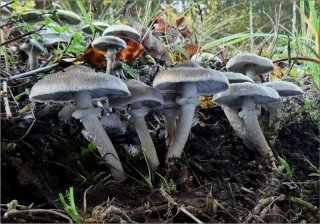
[
  {"x": 13, "y": 212},
  {"x": 31, "y": 72},
  {"x": 23, "y": 35},
  {"x": 185, "y": 211},
  {"x": 299, "y": 58},
  {"x": 6, "y": 101}
]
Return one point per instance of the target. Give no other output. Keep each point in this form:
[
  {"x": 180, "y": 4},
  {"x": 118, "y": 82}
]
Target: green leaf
[
  {"x": 57, "y": 29},
  {"x": 86, "y": 16},
  {"x": 47, "y": 20},
  {"x": 64, "y": 28},
  {"x": 286, "y": 166},
  {"x": 91, "y": 147}
]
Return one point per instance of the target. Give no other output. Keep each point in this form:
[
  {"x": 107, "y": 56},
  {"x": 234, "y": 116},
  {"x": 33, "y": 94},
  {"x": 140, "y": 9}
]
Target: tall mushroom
[
  {"x": 33, "y": 49},
  {"x": 251, "y": 65},
  {"x": 111, "y": 45},
  {"x": 246, "y": 96},
  {"x": 190, "y": 80},
  {"x": 83, "y": 85},
  {"x": 142, "y": 99}
]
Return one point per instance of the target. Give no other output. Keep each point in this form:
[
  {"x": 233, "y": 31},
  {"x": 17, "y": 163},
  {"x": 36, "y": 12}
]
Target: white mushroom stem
[
  {"x": 235, "y": 121},
  {"x": 251, "y": 73},
  {"x": 89, "y": 118},
  {"x": 170, "y": 117},
  {"x": 253, "y": 136},
  {"x": 184, "y": 123},
  {"x": 170, "y": 112},
  {"x": 33, "y": 61},
  {"x": 111, "y": 56},
  {"x": 275, "y": 112},
  {"x": 138, "y": 114}
]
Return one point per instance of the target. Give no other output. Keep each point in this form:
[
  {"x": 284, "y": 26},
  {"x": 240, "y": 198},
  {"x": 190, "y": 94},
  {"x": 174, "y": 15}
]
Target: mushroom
[
  {"x": 99, "y": 27},
  {"x": 33, "y": 49},
  {"x": 51, "y": 37},
  {"x": 246, "y": 96},
  {"x": 30, "y": 16},
  {"x": 190, "y": 80},
  {"x": 284, "y": 89},
  {"x": 111, "y": 45},
  {"x": 232, "y": 112},
  {"x": 170, "y": 111},
  {"x": 251, "y": 65},
  {"x": 82, "y": 85},
  {"x": 66, "y": 17},
  {"x": 123, "y": 31},
  {"x": 142, "y": 99},
  {"x": 117, "y": 69}
]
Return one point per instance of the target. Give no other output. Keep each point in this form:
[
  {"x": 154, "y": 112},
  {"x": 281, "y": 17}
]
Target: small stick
[
  {"x": 23, "y": 35},
  {"x": 185, "y": 211},
  {"x": 6, "y": 101},
  {"x": 299, "y": 58},
  {"x": 13, "y": 212},
  {"x": 49, "y": 67}
]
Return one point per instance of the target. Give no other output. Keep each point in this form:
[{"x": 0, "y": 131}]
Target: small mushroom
[
  {"x": 251, "y": 65},
  {"x": 190, "y": 80},
  {"x": 284, "y": 89},
  {"x": 142, "y": 99},
  {"x": 82, "y": 85},
  {"x": 246, "y": 96},
  {"x": 232, "y": 112},
  {"x": 111, "y": 45},
  {"x": 118, "y": 70},
  {"x": 33, "y": 49},
  {"x": 99, "y": 27},
  {"x": 66, "y": 17},
  {"x": 123, "y": 31}
]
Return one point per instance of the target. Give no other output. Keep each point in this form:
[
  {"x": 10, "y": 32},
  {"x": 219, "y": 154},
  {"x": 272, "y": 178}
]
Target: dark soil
[{"x": 217, "y": 180}]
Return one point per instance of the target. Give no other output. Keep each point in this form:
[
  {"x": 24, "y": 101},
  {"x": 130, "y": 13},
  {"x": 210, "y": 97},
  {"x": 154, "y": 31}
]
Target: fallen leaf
[{"x": 133, "y": 51}]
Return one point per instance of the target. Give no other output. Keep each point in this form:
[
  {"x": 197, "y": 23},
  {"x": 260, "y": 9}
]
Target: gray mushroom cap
[
  {"x": 237, "y": 91},
  {"x": 140, "y": 92},
  {"x": 208, "y": 81},
  {"x": 30, "y": 16},
  {"x": 68, "y": 17},
  {"x": 234, "y": 77},
  {"x": 51, "y": 37},
  {"x": 122, "y": 31},
  {"x": 103, "y": 25},
  {"x": 284, "y": 88},
  {"x": 106, "y": 43},
  {"x": 60, "y": 87},
  {"x": 241, "y": 62},
  {"x": 31, "y": 46}
]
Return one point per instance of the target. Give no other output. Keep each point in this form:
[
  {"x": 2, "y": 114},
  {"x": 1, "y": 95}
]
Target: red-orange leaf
[
  {"x": 133, "y": 50},
  {"x": 93, "y": 57}
]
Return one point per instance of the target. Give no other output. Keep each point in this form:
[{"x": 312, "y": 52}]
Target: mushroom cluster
[{"x": 174, "y": 91}]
